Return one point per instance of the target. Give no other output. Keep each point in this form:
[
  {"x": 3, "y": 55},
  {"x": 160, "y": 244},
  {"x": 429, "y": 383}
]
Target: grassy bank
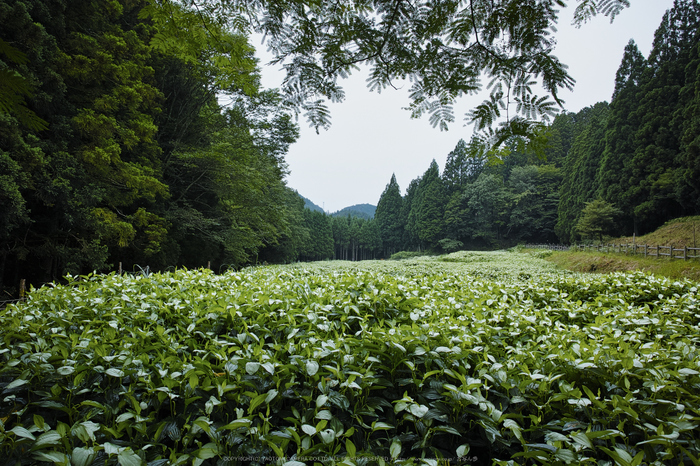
[
  {"x": 677, "y": 233},
  {"x": 612, "y": 262}
]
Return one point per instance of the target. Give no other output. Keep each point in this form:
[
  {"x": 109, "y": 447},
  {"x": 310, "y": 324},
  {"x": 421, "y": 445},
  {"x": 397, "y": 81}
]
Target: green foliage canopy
[{"x": 446, "y": 48}]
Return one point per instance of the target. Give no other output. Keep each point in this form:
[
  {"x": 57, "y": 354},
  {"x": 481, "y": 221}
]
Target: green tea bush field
[{"x": 471, "y": 358}]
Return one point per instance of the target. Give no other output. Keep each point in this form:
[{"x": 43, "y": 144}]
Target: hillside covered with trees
[{"x": 358, "y": 210}]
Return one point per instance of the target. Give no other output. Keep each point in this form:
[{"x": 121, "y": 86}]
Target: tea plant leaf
[
  {"x": 111, "y": 449},
  {"x": 327, "y": 435},
  {"x": 257, "y": 401},
  {"x": 210, "y": 450},
  {"x": 86, "y": 430},
  {"x": 555, "y": 437},
  {"x": 82, "y": 456},
  {"x": 567, "y": 456},
  {"x": 418, "y": 410},
  {"x": 269, "y": 367},
  {"x": 620, "y": 456},
  {"x": 381, "y": 426},
  {"x": 237, "y": 424},
  {"x": 252, "y": 367},
  {"x": 580, "y": 402},
  {"x": 14, "y": 384},
  {"x": 55, "y": 457},
  {"x": 395, "y": 448},
  {"x": 542, "y": 446},
  {"x": 115, "y": 372},
  {"x": 515, "y": 428},
  {"x": 123, "y": 417},
  {"x": 271, "y": 395},
  {"x": 20, "y": 431},
  {"x": 127, "y": 457},
  {"x": 39, "y": 422},
  {"x": 581, "y": 439},
  {"x": 308, "y": 429},
  {"x": 66, "y": 370},
  {"x": 311, "y": 368}
]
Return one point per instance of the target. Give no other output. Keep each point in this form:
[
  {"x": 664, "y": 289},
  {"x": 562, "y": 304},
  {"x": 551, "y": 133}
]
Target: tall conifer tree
[
  {"x": 688, "y": 158},
  {"x": 456, "y": 171},
  {"x": 410, "y": 237},
  {"x": 580, "y": 170},
  {"x": 613, "y": 177},
  {"x": 388, "y": 217},
  {"x": 427, "y": 210}
]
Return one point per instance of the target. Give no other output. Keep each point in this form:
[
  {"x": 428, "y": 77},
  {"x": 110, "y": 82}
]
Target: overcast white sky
[{"x": 372, "y": 137}]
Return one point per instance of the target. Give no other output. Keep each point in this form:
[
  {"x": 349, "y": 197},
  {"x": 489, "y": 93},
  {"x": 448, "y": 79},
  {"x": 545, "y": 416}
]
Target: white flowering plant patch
[{"x": 476, "y": 358}]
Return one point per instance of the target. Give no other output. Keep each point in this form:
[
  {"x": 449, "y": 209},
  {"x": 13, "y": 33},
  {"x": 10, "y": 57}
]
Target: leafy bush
[
  {"x": 450, "y": 245},
  {"x": 542, "y": 253},
  {"x": 497, "y": 359},
  {"x": 401, "y": 255}
]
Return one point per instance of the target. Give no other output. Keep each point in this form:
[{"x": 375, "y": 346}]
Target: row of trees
[
  {"x": 484, "y": 206},
  {"x": 476, "y": 202},
  {"x": 321, "y": 236}
]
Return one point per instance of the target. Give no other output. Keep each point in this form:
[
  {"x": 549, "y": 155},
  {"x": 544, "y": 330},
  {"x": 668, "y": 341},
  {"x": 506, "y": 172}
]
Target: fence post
[
  {"x": 22, "y": 289},
  {"x": 685, "y": 253},
  {"x": 120, "y": 268},
  {"x": 209, "y": 264}
]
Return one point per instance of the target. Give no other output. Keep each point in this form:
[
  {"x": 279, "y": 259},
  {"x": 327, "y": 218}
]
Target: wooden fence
[
  {"x": 552, "y": 247},
  {"x": 646, "y": 250}
]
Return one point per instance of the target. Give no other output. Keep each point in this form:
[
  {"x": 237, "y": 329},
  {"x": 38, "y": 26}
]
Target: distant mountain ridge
[
  {"x": 310, "y": 205},
  {"x": 365, "y": 211},
  {"x": 357, "y": 210}
]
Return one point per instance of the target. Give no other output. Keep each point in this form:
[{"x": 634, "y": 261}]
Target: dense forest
[
  {"x": 124, "y": 142},
  {"x": 128, "y": 156}
]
